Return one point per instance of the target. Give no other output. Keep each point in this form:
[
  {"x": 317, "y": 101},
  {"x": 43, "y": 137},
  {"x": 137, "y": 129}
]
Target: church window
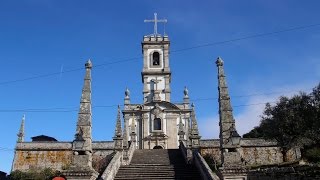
[
  {"x": 156, "y": 59},
  {"x": 157, "y": 124}
]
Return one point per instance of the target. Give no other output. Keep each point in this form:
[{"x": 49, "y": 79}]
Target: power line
[
  {"x": 6, "y": 149},
  {"x": 248, "y": 37},
  {"x": 172, "y": 51},
  {"x": 68, "y": 71},
  {"x": 73, "y": 109}
]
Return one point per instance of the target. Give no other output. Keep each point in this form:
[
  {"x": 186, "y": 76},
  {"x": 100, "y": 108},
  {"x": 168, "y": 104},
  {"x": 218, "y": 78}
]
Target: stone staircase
[{"x": 158, "y": 164}]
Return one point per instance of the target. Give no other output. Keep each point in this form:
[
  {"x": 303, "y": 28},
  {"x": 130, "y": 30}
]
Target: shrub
[
  {"x": 45, "y": 174},
  {"x": 313, "y": 155}
]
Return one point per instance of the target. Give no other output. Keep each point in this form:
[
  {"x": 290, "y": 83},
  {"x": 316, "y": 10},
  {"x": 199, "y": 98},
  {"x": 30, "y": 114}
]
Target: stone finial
[
  {"x": 127, "y": 99},
  {"x": 181, "y": 132},
  {"x": 21, "y": 130},
  {"x": 88, "y": 64},
  {"x": 118, "y": 130},
  {"x": 84, "y": 122},
  {"x": 186, "y": 99},
  {"x": 219, "y": 61},
  {"x": 127, "y": 93},
  {"x": 186, "y": 92}
]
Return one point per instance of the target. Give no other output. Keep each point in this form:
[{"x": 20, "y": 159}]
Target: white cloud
[
  {"x": 209, "y": 127},
  {"x": 250, "y": 116}
]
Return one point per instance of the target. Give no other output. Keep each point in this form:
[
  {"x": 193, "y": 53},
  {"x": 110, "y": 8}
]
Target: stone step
[
  {"x": 157, "y": 171},
  {"x": 162, "y": 178},
  {"x": 155, "y": 178},
  {"x": 157, "y": 164}
]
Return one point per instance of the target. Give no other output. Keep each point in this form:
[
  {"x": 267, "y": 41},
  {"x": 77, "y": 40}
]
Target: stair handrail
[
  {"x": 112, "y": 169},
  {"x": 129, "y": 153},
  {"x": 183, "y": 150},
  {"x": 203, "y": 167}
]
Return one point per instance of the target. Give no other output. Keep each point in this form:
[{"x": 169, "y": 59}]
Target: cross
[
  {"x": 156, "y": 81},
  {"x": 156, "y": 20}
]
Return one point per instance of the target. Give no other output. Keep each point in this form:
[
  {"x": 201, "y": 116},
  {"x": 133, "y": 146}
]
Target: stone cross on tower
[
  {"x": 156, "y": 20},
  {"x": 156, "y": 81}
]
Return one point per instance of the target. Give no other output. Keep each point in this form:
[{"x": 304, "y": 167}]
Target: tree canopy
[{"x": 292, "y": 121}]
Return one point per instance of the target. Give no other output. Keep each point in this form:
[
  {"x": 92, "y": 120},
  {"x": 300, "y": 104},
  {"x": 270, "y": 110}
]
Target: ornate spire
[
  {"x": 118, "y": 130},
  {"x": 194, "y": 124},
  {"x": 194, "y": 134},
  {"x": 227, "y": 123},
  {"x": 118, "y": 144},
  {"x": 181, "y": 132},
  {"x": 21, "y": 130},
  {"x": 84, "y": 124}
]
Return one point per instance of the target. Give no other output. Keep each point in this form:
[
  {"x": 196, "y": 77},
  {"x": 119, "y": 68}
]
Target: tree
[{"x": 292, "y": 122}]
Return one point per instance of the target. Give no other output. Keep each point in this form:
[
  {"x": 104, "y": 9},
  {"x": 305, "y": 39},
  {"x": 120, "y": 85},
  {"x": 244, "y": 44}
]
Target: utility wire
[
  {"x": 68, "y": 71},
  {"x": 6, "y": 149},
  {"x": 172, "y": 51},
  {"x": 73, "y": 109},
  {"x": 249, "y": 37}
]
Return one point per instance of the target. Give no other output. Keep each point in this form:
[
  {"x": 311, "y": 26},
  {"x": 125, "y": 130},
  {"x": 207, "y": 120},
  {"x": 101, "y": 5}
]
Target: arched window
[
  {"x": 156, "y": 59},
  {"x": 157, "y": 124}
]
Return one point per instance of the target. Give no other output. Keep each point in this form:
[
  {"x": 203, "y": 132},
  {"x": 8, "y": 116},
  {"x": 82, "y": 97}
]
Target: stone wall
[
  {"x": 55, "y": 155},
  {"x": 211, "y": 147},
  {"x": 285, "y": 173},
  {"x": 39, "y": 155},
  {"x": 253, "y": 151}
]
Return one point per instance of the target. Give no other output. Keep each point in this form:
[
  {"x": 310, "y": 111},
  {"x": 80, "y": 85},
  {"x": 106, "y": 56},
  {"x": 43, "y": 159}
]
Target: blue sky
[{"x": 38, "y": 37}]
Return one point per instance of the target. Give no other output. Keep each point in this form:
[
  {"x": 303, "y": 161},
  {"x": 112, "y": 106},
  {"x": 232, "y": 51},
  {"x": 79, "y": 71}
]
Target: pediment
[{"x": 162, "y": 105}]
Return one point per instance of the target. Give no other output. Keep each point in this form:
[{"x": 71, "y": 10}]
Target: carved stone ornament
[{"x": 157, "y": 110}]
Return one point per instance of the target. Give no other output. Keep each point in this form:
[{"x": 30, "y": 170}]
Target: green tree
[{"x": 292, "y": 122}]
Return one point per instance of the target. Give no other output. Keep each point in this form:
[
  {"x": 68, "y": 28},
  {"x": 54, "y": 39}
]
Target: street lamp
[{"x": 235, "y": 137}]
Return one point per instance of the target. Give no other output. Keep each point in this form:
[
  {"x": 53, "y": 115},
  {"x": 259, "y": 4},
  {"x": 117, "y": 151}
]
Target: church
[
  {"x": 154, "y": 123},
  {"x": 153, "y": 136}
]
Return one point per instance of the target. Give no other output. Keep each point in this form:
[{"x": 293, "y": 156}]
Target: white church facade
[{"x": 155, "y": 122}]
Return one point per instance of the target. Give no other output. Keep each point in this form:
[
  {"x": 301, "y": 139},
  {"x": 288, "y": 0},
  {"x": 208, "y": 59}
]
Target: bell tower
[{"x": 156, "y": 74}]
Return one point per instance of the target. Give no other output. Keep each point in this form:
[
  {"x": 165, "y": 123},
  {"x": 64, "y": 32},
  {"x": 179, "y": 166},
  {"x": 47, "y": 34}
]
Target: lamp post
[{"x": 235, "y": 138}]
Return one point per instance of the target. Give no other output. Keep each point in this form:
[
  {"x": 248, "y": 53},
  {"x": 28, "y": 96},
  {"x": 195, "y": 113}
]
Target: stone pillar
[
  {"x": 118, "y": 139},
  {"x": 232, "y": 167},
  {"x": 81, "y": 167}
]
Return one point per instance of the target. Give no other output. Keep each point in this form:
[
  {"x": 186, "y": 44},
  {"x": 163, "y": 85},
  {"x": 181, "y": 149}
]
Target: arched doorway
[{"x": 158, "y": 147}]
